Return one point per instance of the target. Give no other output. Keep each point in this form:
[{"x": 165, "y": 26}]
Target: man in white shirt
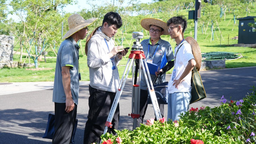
[
  {"x": 179, "y": 86},
  {"x": 102, "y": 59}
]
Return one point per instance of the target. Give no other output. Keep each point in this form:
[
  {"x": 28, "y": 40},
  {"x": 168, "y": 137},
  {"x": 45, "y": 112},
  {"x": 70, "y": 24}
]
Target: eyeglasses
[
  {"x": 154, "y": 30},
  {"x": 171, "y": 28}
]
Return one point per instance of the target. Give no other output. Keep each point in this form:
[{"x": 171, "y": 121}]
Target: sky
[{"x": 81, "y": 4}]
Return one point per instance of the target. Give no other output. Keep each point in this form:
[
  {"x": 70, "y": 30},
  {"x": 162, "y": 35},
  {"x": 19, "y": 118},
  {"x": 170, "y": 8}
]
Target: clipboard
[{"x": 152, "y": 68}]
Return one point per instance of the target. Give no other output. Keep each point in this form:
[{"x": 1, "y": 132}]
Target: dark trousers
[
  {"x": 64, "y": 124},
  {"x": 100, "y": 103},
  {"x": 144, "y": 105}
]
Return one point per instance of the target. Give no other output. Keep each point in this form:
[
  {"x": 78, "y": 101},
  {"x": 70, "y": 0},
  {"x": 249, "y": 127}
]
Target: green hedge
[{"x": 231, "y": 123}]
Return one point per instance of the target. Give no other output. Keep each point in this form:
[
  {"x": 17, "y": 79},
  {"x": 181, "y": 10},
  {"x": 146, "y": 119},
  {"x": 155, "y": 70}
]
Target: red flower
[
  {"x": 202, "y": 108},
  {"x": 162, "y": 120},
  {"x": 231, "y": 101},
  {"x": 118, "y": 140},
  {"x": 193, "y": 141},
  {"x": 107, "y": 142},
  {"x": 150, "y": 122},
  {"x": 176, "y": 123},
  {"x": 193, "y": 109}
]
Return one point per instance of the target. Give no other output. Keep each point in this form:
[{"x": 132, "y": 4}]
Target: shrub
[{"x": 232, "y": 122}]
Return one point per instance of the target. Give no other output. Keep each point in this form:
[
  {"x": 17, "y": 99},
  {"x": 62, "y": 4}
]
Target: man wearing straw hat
[
  {"x": 158, "y": 52},
  {"x": 66, "y": 81}
]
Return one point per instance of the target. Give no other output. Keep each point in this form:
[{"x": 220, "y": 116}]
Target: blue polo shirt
[
  {"x": 68, "y": 55},
  {"x": 156, "y": 52}
]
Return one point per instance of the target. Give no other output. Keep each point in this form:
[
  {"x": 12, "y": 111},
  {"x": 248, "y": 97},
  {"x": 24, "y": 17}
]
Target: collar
[
  {"x": 102, "y": 34},
  {"x": 74, "y": 43},
  {"x": 180, "y": 42},
  {"x": 177, "y": 45},
  {"x": 149, "y": 41}
]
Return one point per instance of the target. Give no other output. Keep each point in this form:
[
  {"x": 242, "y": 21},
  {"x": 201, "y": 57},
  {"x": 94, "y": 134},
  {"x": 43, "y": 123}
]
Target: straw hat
[
  {"x": 196, "y": 51},
  {"x": 145, "y": 23},
  {"x": 76, "y": 23}
]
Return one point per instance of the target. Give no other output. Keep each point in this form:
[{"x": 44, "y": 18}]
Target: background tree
[
  {"x": 40, "y": 22},
  {"x": 3, "y": 18}
]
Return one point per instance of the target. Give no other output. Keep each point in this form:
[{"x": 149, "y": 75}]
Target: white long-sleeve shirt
[{"x": 102, "y": 74}]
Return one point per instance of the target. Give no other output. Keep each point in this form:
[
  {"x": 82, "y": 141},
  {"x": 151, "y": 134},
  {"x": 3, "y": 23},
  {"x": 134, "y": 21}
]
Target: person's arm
[
  {"x": 66, "y": 85},
  {"x": 94, "y": 59},
  {"x": 191, "y": 64},
  {"x": 120, "y": 55},
  {"x": 166, "y": 68}
]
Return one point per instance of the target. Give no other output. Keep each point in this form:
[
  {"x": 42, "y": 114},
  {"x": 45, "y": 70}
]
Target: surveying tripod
[{"x": 136, "y": 56}]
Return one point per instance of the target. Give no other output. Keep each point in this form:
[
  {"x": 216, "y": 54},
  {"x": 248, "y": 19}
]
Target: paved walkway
[
  {"x": 21, "y": 87},
  {"x": 24, "y": 107}
]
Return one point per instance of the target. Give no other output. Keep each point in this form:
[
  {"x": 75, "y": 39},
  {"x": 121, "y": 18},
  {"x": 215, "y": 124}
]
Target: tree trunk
[
  {"x": 39, "y": 48},
  {"x": 21, "y": 51}
]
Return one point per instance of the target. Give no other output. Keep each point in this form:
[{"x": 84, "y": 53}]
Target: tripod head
[
  {"x": 136, "y": 45},
  {"x": 137, "y": 35}
]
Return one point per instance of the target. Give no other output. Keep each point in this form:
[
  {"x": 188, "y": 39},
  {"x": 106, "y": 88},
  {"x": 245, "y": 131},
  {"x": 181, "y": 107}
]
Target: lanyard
[
  {"x": 181, "y": 43},
  {"x": 112, "y": 59},
  {"x": 107, "y": 45},
  {"x": 154, "y": 52},
  {"x": 108, "y": 48}
]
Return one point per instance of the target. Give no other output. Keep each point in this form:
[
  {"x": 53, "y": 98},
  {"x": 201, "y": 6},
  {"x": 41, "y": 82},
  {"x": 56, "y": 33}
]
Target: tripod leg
[
  {"x": 151, "y": 90},
  {"x": 118, "y": 95},
  {"x": 136, "y": 95},
  {"x": 136, "y": 70}
]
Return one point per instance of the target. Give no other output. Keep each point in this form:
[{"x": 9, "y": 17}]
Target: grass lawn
[
  {"x": 47, "y": 70},
  {"x": 219, "y": 41}
]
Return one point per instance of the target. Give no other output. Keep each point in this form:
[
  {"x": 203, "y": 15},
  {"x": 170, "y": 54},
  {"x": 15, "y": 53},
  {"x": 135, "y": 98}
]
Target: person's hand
[
  {"x": 177, "y": 82},
  {"x": 119, "y": 55},
  {"x": 115, "y": 50},
  {"x": 124, "y": 52},
  {"x": 160, "y": 72},
  {"x": 69, "y": 105}
]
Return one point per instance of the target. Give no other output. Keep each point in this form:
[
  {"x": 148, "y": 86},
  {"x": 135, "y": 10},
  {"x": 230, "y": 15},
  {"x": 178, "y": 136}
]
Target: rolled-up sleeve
[
  {"x": 67, "y": 56},
  {"x": 96, "y": 58}
]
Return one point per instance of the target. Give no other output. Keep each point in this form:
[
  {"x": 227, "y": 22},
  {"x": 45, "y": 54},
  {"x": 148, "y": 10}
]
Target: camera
[{"x": 136, "y": 44}]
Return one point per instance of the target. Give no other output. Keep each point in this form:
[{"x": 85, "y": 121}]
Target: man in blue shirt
[
  {"x": 66, "y": 81},
  {"x": 155, "y": 49}
]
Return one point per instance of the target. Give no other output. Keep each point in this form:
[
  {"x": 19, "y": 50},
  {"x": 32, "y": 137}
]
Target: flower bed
[{"x": 232, "y": 122}]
